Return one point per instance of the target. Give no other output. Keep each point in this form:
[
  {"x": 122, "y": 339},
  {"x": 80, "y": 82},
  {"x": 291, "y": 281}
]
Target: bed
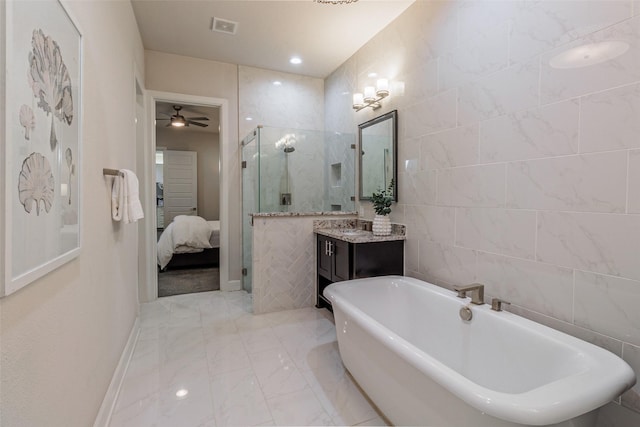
[{"x": 189, "y": 241}]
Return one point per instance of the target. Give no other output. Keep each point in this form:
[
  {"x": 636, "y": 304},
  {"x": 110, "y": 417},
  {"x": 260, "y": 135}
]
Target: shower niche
[{"x": 297, "y": 171}]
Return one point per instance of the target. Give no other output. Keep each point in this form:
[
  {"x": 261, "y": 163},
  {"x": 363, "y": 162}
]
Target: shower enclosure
[{"x": 293, "y": 170}]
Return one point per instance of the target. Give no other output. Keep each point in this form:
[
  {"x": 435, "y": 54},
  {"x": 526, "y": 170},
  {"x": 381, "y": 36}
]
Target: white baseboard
[
  {"x": 231, "y": 285},
  {"x": 109, "y": 402}
]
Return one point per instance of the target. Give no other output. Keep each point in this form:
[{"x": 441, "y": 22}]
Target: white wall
[
  {"x": 512, "y": 173},
  {"x": 62, "y": 336},
  {"x": 206, "y": 144},
  {"x": 184, "y": 75}
]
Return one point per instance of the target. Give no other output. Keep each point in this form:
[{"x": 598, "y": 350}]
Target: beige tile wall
[{"x": 511, "y": 172}]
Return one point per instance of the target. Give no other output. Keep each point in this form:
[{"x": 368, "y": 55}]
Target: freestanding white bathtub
[{"x": 404, "y": 342}]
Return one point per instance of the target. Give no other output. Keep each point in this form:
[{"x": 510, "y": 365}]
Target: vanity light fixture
[{"x": 371, "y": 96}]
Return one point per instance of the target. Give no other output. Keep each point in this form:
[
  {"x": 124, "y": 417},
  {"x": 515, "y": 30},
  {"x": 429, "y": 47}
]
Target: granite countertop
[
  {"x": 327, "y": 213},
  {"x": 350, "y": 230}
]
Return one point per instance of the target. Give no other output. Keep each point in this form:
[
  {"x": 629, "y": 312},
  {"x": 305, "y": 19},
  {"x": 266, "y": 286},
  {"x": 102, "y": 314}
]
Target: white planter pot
[{"x": 381, "y": 225}]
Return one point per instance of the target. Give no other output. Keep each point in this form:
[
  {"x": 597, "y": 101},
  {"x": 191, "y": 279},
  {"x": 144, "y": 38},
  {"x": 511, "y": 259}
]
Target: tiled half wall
[{"x": 284, "y": 262}]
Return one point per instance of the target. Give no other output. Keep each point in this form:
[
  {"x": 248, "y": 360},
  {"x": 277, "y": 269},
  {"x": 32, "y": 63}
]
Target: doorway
[
  {"x": 220, "y": 196},
  {"x": 187, "y": 197}
]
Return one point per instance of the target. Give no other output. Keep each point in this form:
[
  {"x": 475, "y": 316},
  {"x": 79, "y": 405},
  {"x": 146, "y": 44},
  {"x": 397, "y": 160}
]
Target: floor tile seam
[
  {"x": 264, "y": 397},
  {"x": 166, "y": 357},
  {"x": 368, "y": 420},
  {"x": 211, "y": 378},
  {"x": 287, "y": 395},
  {"x": 260, "y": 382},
  {"x": 280, "y": 343},
  {"x": 212, "y": 374},
  {"x": 149, "y": 396},
  {"x": 335, "y": 385},
  {"x": 334, "y": 410},
  {"x": 211, "y": 394}
]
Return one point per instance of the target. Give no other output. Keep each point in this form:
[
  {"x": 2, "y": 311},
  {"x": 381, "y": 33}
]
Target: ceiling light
[
  {"x": 372, "y": 75},
  {"x": 589, "y": 54},
  {"x": 182, "y": 393},
  {"x": 178, "y": 121},
  {"x": 248, "y": 119},
  {"x": 295, "y": 60},
  {"x": 277, "y": 83}
]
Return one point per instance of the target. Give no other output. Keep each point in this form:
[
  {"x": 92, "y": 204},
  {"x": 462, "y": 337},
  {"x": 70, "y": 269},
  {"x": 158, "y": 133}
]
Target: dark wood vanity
[{"x": 344, "y": 257}]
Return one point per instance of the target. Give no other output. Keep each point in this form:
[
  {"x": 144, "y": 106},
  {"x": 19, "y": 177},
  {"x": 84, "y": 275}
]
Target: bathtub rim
[{"x": 538, "y": 406}]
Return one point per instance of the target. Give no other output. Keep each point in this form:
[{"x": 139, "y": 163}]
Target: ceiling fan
[{"x": 178, "y": 120}]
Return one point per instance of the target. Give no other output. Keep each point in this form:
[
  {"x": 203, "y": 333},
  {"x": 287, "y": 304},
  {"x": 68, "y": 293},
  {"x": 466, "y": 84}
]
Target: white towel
[{"x": 125, "y": 202}]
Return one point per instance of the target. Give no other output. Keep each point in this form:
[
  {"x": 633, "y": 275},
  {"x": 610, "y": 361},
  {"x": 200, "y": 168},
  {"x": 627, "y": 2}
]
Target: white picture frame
[{"x": 41, "y": 141}]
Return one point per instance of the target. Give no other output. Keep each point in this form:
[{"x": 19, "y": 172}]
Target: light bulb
[
  {"x": 383, "y": 87},
  {"x": 358, "y": 100},
  {"x": 369, "y": 93}
]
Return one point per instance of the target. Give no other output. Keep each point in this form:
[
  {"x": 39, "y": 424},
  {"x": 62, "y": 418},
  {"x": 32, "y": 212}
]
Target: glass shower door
[{"x": 250, "y": 198}]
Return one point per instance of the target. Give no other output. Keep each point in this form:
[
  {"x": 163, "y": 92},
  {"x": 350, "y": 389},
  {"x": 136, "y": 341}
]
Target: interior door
[{"x": 180, "y": 171}]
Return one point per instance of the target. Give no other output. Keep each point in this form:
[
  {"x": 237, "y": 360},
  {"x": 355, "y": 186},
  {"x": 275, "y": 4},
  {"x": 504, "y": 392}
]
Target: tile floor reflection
[{"x": 204, "y": 360}]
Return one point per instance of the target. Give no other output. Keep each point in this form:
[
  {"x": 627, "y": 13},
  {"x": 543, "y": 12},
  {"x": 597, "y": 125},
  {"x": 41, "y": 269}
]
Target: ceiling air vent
[{"x": 224, "y": 26}]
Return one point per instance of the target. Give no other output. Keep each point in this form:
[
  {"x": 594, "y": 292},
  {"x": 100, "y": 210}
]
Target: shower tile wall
[
  {"x": 512, "y": 172},
  {"x": 340, "y": 179},
  {"x": 295, "y": 104}
]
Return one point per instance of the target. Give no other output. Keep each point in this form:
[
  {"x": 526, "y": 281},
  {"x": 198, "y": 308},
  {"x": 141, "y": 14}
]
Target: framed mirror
[{"x": 378, "y": 140}]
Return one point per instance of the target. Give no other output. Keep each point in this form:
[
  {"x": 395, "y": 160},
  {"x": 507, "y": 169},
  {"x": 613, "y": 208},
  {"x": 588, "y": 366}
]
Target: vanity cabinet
[
  {"x": 333, "y": 259},
  {"x": 339, "y": 260}
]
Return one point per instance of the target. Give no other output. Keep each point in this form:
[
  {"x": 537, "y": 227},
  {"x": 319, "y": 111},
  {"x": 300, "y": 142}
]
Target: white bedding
[{"x": 187, "y": 234}]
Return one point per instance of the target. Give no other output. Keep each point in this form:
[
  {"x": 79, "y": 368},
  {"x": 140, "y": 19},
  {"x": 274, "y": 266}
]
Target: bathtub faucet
[{"x": 476, "y": 290}]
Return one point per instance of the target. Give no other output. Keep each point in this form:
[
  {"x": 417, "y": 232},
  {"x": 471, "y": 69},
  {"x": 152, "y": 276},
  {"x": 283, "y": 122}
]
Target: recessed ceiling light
[
  {"x": 373, "y": 74},
  {"x": 295, "y": 60},
  {"x": 277, "y": 83},
  {"x": 182, "y": 393},
  {"x": 248, "y": 119}
]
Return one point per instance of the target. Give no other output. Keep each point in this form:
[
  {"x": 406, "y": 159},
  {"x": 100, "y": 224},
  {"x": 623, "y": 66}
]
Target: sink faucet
[{"x": 476, "y": 290}]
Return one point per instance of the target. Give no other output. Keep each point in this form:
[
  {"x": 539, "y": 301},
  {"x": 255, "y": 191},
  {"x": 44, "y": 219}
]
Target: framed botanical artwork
[{"x": 41, "y": 140}]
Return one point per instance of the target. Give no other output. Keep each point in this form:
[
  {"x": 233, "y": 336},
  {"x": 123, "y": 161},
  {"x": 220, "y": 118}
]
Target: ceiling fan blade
[
  {"x": 168, "y": 125},
  {"x": 162, "y": 118},
  {"x": 197, "y": 124},
  {"x": 198, "y": 118}
]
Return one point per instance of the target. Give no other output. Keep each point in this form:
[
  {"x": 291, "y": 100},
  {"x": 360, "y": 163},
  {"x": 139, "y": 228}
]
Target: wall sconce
[{"x": 372, "y": 96}]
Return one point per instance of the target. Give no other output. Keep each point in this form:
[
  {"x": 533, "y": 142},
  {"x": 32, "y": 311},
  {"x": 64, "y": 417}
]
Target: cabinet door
[
  {"x": 324, "y": 260},
  {"x": 341, "y": 260},
  {"x": 378, "y": 259}
]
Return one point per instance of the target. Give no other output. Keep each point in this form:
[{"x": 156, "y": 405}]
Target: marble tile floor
[{"x": 204, "y": 360}]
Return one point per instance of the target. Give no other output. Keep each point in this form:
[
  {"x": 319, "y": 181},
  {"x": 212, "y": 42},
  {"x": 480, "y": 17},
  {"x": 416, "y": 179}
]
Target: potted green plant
[{"x": 382, "y": 200}]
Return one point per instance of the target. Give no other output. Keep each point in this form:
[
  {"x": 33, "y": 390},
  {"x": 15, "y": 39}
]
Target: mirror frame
[{"x": 393, "y": 116}]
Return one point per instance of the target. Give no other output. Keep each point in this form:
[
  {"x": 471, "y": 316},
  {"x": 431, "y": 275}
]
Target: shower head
[{"x": 289, "y": 149}]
